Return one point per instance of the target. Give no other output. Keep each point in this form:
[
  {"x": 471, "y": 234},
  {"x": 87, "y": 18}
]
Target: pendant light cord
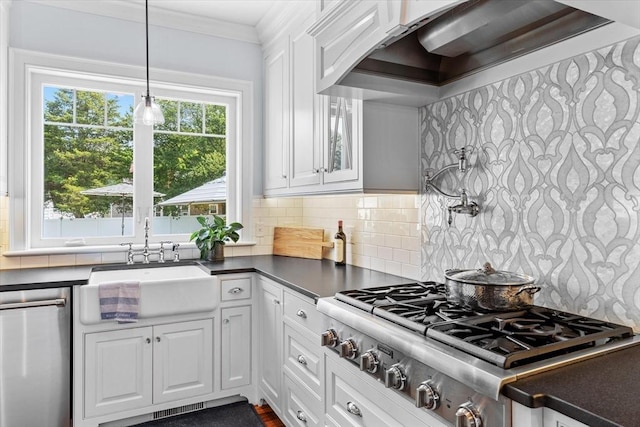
[{"x": 146, "y": 20}]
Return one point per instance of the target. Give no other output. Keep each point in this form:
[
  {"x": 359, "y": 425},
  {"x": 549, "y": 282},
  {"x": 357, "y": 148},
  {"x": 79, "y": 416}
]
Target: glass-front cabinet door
[{"x": 342, "y": 132}]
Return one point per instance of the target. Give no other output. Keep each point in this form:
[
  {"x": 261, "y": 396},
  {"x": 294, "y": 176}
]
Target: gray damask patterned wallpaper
[{"x": 556, "y": 171}]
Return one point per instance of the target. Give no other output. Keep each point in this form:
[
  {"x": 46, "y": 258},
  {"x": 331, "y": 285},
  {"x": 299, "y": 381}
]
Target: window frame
[{"x": 30, "y": 70}]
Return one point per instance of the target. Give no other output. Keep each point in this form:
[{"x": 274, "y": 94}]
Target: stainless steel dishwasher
[{"x": 35, "y": 358}]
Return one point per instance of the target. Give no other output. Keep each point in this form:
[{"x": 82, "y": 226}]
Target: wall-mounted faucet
[{"x": 464, "y": 206}]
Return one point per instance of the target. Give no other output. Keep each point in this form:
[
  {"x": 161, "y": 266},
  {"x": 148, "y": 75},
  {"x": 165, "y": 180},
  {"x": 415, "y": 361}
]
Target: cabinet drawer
[
  {"x": 304, "y": 359},
  {"x": 237, "y": 288},
  {"x": 300, "y": 408},
  {"x": 350, "y": 402},
  {"x": 302, "y": 312}
]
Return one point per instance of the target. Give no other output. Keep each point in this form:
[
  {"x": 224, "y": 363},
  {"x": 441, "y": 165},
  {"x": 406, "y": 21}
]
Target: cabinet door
[
  {"x": 183, "y": 360},
  {"x": 276, "y": 117},
  {"x": 117, "y": 371},
  {"x": 342, "y": 139},
  {"x": 556, "y": 419},
  {"x": 270, "y": 342},
  {"x": 305, "y": 141},
  {"x": 236, "y": 347}
]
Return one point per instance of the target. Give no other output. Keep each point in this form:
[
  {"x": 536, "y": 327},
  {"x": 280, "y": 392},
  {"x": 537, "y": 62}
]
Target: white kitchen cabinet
[
  {"x": 352, "y": 400},
  {"x": 118, "y": 371},
  {"x": 297, "y": 411},
  {"x": 270, "y": 343},
  {"x": 523, "y": 416},
  {"x": 317, "y": 144},
  {"x": 556, "y": 419},
  {"x": 133, "y": 368},
  {"x": 236, "y": 347},
  {"x": 182, "y": 360},
  {"x": 305, "y": 154},
  {"x": 348, "y": 31},
  {"x": 276, "y": 117}
]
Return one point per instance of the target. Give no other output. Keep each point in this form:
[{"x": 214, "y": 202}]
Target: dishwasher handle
[{"x": 60, "y": 302}]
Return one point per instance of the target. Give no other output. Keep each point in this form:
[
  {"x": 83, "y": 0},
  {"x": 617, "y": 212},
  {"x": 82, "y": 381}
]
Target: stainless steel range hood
[
  {"x": 369, "y": 50},
  {"x": 477, "y": 35}
]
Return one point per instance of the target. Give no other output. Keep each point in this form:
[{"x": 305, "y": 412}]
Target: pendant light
[{"x": 148, "y": 112}]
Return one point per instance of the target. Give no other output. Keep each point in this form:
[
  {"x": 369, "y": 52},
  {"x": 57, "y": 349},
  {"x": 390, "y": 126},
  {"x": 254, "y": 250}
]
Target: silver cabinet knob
[
  {"x": 426, "y": 396},
  {"x": 236, "y": 290},
  {"x": 302, "y": 360},
  {"x": 353, "y": 409},
  {"x": 157, "y": 339},
  {"x": 276, "y": 302},
  {"x": 301, "y": 314},
  {"x": 225, "y": 321},
  {"x": 369, "y": 362},
  {"x": 329, "y": 338},
  {"x": 148, "y": 340},
  {"x": 394, "y": 377},
  {"x": 468, "y": 416},
  {"x": 348, "y": 349},
  {"x": 301, "y": 416}
]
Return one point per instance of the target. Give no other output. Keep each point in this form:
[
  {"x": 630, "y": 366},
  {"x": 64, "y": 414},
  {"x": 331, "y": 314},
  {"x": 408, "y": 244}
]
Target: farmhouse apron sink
[{"x": 164, "y": 291}]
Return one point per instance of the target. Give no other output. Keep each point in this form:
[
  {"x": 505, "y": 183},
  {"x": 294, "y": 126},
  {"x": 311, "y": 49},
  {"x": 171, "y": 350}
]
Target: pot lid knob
[{"x": 487, "y": 268}]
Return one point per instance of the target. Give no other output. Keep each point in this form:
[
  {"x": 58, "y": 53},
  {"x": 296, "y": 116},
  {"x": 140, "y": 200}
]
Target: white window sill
[{"x": 102, "y": 249}]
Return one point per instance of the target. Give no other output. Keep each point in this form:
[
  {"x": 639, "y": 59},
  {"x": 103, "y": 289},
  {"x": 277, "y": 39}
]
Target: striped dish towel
[{"x": 119, "y": 301}]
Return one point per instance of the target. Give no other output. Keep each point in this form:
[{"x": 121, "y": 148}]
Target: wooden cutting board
[{"x": 299, "y": 242}]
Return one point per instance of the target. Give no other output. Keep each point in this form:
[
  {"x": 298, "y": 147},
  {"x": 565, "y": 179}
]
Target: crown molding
[
  {"x": 281, "y": 16},
  {"x": 134, "y": 11}
]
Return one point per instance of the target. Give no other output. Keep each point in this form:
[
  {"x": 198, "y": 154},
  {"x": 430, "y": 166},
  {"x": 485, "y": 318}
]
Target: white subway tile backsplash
[
  {"x": 62, "y": 260},
  {"x": 383, "y": 230}
]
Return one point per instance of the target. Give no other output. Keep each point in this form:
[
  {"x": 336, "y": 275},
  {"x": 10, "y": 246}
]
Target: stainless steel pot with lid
[{"x": 489, "y": 289}]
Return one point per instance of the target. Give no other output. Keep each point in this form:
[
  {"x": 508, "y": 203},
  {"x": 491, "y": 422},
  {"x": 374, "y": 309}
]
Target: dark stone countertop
[
  {"x": 601, "y": 392},
  {"x": 313, "y": 278},
  {"x": 598, "y": 392}
]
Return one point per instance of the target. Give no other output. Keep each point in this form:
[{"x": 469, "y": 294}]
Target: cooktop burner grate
[
  {"x": 516, "y": 338},
  {"x": 367, "y": 299},
  {"x": 418, "y": 315}
]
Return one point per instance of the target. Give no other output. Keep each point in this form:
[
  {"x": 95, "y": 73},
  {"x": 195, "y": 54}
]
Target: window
[{"x": 91, "y": 175}]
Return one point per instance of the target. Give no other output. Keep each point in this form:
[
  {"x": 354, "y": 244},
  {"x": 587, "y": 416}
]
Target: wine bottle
[{"x": 341, "y": 246}]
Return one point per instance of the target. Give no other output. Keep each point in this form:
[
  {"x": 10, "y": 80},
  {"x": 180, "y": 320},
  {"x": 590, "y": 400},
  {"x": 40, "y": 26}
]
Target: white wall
[{"x": 60, "y": 31}]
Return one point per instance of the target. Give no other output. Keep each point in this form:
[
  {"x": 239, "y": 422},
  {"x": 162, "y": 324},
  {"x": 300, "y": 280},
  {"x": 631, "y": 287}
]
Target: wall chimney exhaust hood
[{"x": 403, "y": 53}]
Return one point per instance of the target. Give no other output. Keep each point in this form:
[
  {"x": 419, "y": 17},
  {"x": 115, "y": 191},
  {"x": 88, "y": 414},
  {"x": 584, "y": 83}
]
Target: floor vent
[{"x": 178, "y": 410}]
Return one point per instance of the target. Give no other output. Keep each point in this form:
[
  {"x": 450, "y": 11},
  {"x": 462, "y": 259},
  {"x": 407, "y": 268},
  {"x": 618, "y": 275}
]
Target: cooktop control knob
[
  {"x": 369, "y": 362},
  {"x": 329, "y": 338},
  {"x": 468, "y": 415},
  {"x": 426, "y": 396},
  {"x": 348, "y": 349},
  {"x": 394, "y": 377}
]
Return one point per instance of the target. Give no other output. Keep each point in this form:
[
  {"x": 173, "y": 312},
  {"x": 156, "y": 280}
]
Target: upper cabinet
[
  {"x": 348, "y": 31},
  {"x": 316, "y": 144}
]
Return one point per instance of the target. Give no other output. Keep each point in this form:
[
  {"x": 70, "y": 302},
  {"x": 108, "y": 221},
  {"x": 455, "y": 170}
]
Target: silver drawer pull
[
  {"x": 353, "y": 409},
  {"x": 301, "y": 416},
  {"x": 302, "y": 314},
  {"x": 302, "y": 360},
  {"x": 225, "y": 321},
  {"x": 236, "y": 290}
]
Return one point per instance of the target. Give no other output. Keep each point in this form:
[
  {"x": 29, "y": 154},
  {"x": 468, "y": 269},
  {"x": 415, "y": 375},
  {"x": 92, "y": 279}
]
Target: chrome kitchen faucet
[{"x": 146, "y": 252}]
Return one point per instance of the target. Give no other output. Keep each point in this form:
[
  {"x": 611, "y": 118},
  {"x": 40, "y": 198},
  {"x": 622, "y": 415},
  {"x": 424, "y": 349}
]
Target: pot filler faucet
[
  {"x": 146, "y": 252},
  {"x": 464, "y": 206}
]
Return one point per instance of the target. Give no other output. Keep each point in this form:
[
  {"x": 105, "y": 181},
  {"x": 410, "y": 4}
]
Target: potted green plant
[{"x": 211, "y": 238}]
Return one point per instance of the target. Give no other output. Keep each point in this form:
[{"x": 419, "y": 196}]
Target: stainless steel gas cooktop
[{"x": 418, "y": 344}]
